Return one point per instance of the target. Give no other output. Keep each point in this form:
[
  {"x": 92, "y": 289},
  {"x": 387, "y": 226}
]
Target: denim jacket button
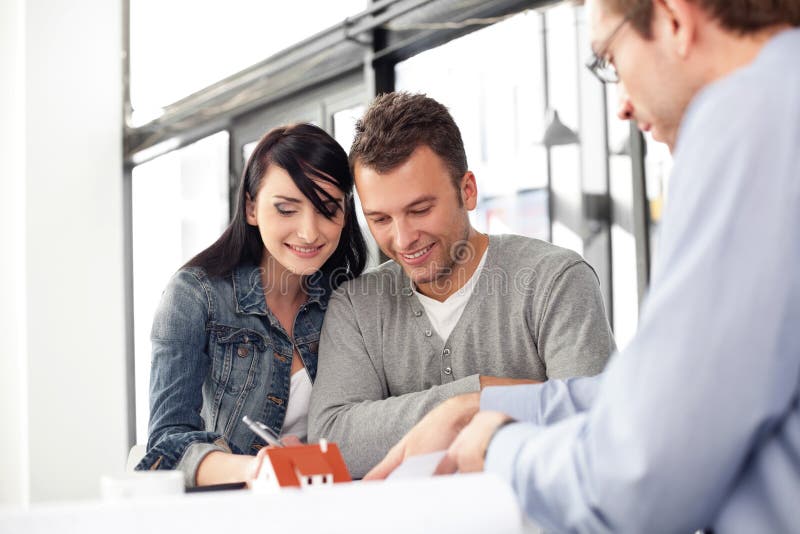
[
  {"x": 447, "y": 370},
  {"x": 243, "y": 352},
  {"x": 428, "y": 333},
  {"x": 417, "y": 313}
]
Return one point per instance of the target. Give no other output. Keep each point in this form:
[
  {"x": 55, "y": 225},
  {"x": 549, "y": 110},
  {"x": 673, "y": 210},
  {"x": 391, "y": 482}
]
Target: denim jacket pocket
[{"x": 237, "y": 355}]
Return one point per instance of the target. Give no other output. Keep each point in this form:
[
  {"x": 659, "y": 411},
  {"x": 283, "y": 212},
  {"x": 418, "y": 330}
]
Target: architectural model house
[{"x": 318, "y": 464}]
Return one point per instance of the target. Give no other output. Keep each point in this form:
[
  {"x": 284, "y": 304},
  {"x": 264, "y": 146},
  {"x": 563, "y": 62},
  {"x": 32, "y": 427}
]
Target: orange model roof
[{"x": 308, "y": 460}]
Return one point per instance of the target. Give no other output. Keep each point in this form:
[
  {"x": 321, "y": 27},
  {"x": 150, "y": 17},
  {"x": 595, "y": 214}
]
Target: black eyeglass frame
[{"x": 599, "y": 65}]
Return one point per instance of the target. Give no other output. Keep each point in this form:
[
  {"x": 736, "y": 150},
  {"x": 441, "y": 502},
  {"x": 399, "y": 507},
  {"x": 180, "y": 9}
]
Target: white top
[
  {"x": 296, "y": 420},
  {"x": 444, "y": 316}
]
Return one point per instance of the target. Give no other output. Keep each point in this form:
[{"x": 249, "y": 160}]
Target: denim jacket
[{"x": 219, "y": 354}]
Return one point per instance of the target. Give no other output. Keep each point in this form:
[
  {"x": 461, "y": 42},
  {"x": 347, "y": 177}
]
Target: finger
[
  {"x": 447, "y": 466},
  {"x": 388, "y": 464},
  {"x": 470, "y": 461},
  {"x": 291, "y": 440},
  {"x": 257, "y": 463}
]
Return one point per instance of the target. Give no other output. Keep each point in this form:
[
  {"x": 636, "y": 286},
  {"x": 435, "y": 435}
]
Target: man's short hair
[
  {"x": 397, "y": 123},
  {"x": 742, "y": 16}
]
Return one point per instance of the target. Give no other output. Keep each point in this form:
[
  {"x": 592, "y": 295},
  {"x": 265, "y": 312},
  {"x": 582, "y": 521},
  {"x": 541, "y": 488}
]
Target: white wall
[
  {"x": 62, "y": 375},
  {"x": 13, "y": 482}
]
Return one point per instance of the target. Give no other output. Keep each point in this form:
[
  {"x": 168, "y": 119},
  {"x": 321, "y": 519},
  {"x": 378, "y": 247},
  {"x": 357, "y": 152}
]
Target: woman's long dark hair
[{"x": 307, "y": 153}]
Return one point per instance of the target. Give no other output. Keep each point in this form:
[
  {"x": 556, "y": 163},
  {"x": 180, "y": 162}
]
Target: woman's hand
[{"x": 254, "y": 467}]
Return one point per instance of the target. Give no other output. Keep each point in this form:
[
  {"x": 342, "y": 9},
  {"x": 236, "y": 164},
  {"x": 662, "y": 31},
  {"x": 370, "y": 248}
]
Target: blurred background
[{"x": 124, "y": 128}]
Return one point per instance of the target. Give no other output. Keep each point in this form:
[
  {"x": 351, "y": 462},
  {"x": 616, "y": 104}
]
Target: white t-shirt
[
  {"x": 296, "y": 420},
  {"x": 444, "y": 316}
]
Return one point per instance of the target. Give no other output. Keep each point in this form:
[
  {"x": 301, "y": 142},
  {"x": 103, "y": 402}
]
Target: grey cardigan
[{"x": 536, "y": 312}]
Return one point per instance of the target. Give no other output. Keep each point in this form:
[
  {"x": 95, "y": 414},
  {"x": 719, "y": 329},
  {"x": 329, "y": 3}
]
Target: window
[
  {"x": 499, "y": 108},
  {"x": 658, "y": 167},
  {"x": 181, "y": 46},
  {"x": 179, "y": 207},
  {"x": 563, "y": 90},
  {"x": 344, "y": 127},
  {"x": 623, "y": 243}
]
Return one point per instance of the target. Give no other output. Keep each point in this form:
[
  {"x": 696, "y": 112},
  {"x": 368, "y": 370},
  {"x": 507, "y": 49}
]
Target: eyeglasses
[{"x": 598, "y": 63}]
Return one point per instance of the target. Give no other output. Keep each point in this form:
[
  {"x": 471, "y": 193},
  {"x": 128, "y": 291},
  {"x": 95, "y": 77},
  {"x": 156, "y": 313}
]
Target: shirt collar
[{"x": 249, "y": 290}]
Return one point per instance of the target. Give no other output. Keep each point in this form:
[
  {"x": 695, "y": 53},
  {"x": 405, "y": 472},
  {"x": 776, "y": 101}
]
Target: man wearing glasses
[{"x": 696, "y": 424}]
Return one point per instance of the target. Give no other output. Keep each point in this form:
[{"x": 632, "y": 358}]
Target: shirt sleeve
[
  {"x": 573, "y": 334},
  {"x": 713, "y": 368},
  {"x": 542, "y": 404},
  {"x": 351, "y": 404},
  {"x": 177, "y": 435}
]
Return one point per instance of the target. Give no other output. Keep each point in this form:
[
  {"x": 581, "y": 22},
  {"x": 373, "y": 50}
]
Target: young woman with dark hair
[{"x": 237, "y": 329}]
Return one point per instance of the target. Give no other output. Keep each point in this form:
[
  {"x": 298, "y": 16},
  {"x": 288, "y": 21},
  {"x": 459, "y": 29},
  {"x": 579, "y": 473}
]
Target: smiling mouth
[
  {"x": 418, "y": 254},
  {"x": 304, "y": 251}
]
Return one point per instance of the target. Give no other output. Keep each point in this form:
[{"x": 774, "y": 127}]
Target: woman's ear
[{"x": 250, "y": 210}]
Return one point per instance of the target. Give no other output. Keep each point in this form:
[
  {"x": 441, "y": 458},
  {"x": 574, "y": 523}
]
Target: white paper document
[{"x": 420, "y": 466}]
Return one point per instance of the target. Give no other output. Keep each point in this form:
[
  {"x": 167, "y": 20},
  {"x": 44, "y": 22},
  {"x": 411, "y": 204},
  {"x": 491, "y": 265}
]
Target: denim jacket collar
[{"x": 249, "y": 290}]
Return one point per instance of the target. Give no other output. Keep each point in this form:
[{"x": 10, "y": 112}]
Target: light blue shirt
[{"x": 697, "y": 423}]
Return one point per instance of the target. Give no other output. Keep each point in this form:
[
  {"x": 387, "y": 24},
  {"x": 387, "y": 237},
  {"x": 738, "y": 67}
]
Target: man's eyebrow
[
  {"x": 421, "y": 200},
  {"x": 368, "y": 213},
  {"x": 426, "y": 198}
]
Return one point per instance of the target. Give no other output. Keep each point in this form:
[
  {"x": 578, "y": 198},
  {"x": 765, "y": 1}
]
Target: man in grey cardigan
[{"x": 454, "y": 310}]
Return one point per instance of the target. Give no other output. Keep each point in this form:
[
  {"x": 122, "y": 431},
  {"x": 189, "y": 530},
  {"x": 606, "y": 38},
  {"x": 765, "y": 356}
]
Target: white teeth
[
  {"x": 417, "y": 254},
  {"x": 304, "y": 250}
]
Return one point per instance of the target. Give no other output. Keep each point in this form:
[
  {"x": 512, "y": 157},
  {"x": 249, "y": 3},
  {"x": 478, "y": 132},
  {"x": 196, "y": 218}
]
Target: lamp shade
[
  {"x": 624, "y": 148},
  {"x": 557, "y": 133}
]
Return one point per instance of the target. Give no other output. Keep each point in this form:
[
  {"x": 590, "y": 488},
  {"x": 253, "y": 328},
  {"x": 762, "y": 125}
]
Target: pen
[{"x": 263, "y": 431}]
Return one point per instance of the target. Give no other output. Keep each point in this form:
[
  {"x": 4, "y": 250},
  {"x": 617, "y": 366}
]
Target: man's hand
[
  {"x": 487, "y": 381},
  {"x": 468, "y": 451},
  {"x": 435, "y": 432}
]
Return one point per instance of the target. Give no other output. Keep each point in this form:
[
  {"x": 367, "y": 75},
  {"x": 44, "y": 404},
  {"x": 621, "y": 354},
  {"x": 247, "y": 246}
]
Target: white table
[{"x": 479, "y": 503}]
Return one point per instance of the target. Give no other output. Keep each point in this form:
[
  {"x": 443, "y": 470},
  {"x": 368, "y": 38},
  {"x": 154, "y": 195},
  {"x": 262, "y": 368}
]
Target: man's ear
[
  {"x": 680, "y": 16},
  {"x": 250, "y": 210},
  {"x": 469, "y": 191}
]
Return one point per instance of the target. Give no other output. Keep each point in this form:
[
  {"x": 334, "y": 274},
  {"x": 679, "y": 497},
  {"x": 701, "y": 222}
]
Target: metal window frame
[
  {"x": 358, "y": 42},
  {"x": 127, "y": 239},
  {"x": 641, "y": 212}
]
